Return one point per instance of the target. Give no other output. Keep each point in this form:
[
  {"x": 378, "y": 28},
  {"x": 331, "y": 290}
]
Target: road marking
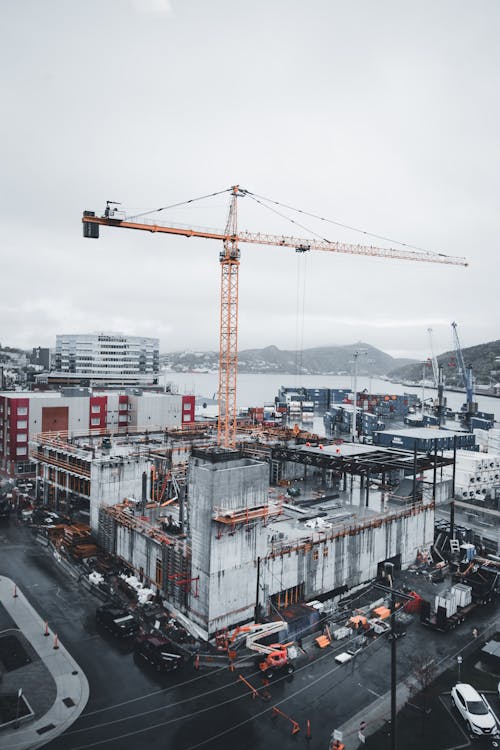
[
  {"x": 461, "y": 728},
  {"x": 378, "y": 695}
]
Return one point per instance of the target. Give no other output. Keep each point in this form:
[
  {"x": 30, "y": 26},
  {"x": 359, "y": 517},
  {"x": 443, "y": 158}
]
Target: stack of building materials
[
  {"x": 494, "y": 441},
  {"x": 78, "y": 533},
  {"x": 477, "y": 475}
]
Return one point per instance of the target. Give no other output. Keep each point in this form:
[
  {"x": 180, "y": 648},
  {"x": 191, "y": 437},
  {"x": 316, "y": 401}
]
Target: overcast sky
[{"x": 379, "y": 114}]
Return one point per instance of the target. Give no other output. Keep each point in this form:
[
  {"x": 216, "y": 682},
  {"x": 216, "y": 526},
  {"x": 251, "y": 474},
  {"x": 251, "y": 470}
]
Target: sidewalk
[
  {"x": 71, "y": 683},
  {"x": 377, "y": 713}
]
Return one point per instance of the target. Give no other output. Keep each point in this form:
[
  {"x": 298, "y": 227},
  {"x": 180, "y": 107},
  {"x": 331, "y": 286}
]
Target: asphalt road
[{"x": 131, "y": 708}]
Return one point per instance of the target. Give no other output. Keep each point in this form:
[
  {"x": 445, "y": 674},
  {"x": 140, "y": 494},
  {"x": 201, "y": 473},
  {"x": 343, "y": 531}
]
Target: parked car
[
  {"x": 119, "y": 622},
  {"x": 160, "y": 653},
  {"x": 473, "y": 709}
]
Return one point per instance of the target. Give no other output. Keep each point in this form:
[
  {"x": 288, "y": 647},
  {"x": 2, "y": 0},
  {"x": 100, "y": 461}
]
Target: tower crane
[{"x": 229, "y": 258}]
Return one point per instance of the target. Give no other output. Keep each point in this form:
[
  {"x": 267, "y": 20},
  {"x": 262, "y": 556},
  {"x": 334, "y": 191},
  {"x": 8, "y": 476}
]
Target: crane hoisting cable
[{"x": 230, "y": 262}]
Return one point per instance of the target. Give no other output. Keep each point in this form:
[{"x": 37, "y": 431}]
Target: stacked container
[{"x": 477, "y": 475}]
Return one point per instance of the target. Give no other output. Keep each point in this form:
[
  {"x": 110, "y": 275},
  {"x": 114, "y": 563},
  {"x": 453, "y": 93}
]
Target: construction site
[
  {"x": 230, "y": 543},
  {"x": 231, "y": 535},
  {"x": 225, "y": 543}
]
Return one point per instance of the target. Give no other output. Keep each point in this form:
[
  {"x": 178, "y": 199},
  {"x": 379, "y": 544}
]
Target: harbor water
[{"x": 260, "y": 389}]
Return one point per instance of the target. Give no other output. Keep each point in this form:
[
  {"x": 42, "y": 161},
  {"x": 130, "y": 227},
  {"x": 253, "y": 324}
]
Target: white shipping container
[
  {"x": 448, "y": 602},
  {"x": 462, "y": 594}
]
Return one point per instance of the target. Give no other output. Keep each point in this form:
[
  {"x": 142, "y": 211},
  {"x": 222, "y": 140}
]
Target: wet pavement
[{"x": 131, "y": 707}]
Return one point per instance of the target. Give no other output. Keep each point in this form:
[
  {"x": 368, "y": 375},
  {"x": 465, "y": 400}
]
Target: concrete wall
[
  {"x": 225, "y": 558},
  {"x": 349, "y": 560},
  {"x": 78, "y": 411},
  {"x": 111, "y": 481},
  {"x": 150, "y": 410},
  {"x": 140, "y": 551}
]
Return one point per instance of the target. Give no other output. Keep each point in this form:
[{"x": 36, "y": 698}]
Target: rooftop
[{"x": 427, "y": 433}]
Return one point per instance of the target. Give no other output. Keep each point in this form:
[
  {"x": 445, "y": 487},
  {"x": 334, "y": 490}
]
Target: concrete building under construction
[{"x": 235, "y": 550}]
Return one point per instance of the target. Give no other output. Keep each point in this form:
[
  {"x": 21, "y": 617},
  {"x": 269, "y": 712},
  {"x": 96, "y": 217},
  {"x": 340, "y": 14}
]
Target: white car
[{"x": 475, "y": 712}]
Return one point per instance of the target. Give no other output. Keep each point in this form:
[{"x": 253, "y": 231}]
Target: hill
[
  {"x": 325, "y": 360},
  {"x": 482, "y": 357}
]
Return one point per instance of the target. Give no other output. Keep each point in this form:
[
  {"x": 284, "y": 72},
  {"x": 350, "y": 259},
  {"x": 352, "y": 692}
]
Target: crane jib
[{"x": 91, "y": 224}]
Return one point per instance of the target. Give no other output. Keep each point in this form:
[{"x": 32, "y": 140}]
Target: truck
[
  {"x": 482, "y": 576},
  {"x": 119, "y": 622},
  {"x": 159, "y": 653},
  {"x": 450, "y": 609},
  {"x": 439, "y": 619}
]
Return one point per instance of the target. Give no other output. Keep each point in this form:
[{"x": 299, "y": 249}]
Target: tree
[{"x": 419, "y": 682}]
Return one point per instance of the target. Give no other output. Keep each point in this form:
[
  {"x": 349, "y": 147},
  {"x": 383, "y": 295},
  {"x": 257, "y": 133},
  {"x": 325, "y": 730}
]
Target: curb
[{"x": 71, "y": 683}]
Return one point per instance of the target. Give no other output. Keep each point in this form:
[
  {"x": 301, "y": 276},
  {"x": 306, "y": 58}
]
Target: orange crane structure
[{"x": 230, "y": 263}]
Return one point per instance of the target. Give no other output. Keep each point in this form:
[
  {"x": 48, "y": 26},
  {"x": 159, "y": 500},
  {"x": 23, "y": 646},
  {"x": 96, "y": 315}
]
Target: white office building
[{"x": 105, "y": 359}]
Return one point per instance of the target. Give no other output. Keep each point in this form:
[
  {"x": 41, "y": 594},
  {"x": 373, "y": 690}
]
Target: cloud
[{"x": 153, "y": 7}]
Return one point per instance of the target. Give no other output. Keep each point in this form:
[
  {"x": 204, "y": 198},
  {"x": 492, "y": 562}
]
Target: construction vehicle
[
  {"x": 458, "y": 603},
  {"x": 159, "y": 653},
  {"x": 230, "y": 262},
  {"x": 482, "y": 575},
  {"x": 121, "y": 623},
  {"x": 276, "y": 658},
  {"x": 272, "y": 658}
]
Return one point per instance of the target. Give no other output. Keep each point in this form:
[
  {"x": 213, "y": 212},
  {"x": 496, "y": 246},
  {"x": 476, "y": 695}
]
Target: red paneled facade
[
  {"x": 188, "y": 409},
  {"x": 122, "y": 410},
  {"x": 98, "y": 410},
  {"x": 14, "y": 429}
]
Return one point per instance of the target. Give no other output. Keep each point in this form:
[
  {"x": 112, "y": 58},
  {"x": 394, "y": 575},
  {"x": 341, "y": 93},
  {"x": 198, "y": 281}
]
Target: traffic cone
[
  {"x": 14, "y": 595},
  {"x": 308, "y": 730}
]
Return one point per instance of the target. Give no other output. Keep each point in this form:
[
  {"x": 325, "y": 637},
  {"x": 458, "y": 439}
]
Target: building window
[
  {"x": 22, "y": 450},
  {"x": 22, "y": 411},
  {"x": 96, "y": 408},
  {"x": 22, "y": 424},
  {"x": 22, "y": 437},
  {"x": 95, "y": 421}
]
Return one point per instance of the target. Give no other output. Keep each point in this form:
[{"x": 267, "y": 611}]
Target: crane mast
[
  {"x": 228, "y": 341},
  {"x": 230, "y": 263}
]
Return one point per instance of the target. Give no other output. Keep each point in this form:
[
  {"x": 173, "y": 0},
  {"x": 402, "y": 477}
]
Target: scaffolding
[{"x": 235, "y": 516}]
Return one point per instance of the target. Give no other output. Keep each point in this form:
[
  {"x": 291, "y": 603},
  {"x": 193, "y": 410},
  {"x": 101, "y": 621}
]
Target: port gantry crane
[
  {"x": 466, "y": 375},
  {"x": 230, "y": 262}
]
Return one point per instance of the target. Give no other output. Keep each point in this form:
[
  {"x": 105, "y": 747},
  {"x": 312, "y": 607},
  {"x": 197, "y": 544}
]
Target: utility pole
[
  {"x": 257, "y": 603},
  {"x": 441, "y": 401}
]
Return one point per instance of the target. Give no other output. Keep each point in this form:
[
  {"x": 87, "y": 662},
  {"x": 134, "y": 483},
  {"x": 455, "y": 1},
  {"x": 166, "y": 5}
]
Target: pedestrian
[{"x": 475, "y": 632}]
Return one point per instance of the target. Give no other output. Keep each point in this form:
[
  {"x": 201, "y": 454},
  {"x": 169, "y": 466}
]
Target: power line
[
  {"x": 326, "y": 674},
  {"x": 181, "y": 702}
]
